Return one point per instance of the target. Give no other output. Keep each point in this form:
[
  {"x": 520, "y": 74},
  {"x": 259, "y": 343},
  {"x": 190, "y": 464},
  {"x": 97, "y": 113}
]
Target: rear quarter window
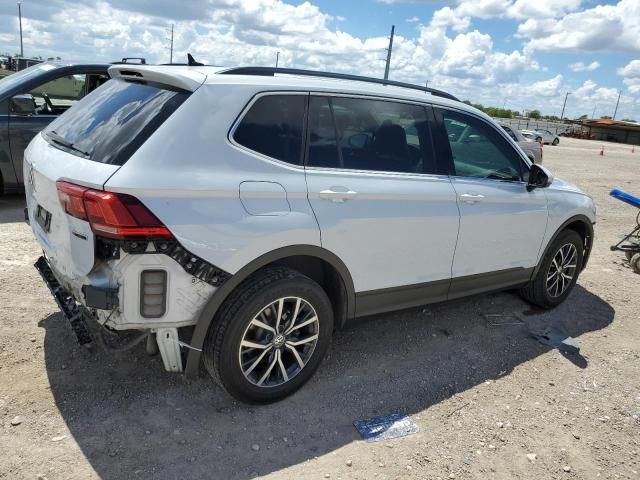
[
  {"x": 273, "y": 127},
  {"x": 112, "y": 122}
]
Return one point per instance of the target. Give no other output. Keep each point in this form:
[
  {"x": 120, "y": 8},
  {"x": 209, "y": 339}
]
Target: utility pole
[
  {"x": 564, "y": 105},
  {"x": 277, "y": 58},
  {"x": 593, "y": 115},
  {"x": 20, "y": 21},
  {"x": 617, "y": 102},
  {"x": 386, "y": 68},
  {"x": 171, "y": 46}
]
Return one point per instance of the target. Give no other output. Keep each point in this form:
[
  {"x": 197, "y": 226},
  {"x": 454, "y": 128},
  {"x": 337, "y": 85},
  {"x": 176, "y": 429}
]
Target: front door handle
[
  {"x": 337, "y": 196},
  {"x": 471, "y": 198}
]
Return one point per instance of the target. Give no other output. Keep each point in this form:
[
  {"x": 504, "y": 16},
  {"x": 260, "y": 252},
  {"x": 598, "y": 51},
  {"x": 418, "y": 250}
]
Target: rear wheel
[
  {"x": 558, "y": 272},
  {"x": 270, "y": 337},
  {"x": 556, "y": 141}
]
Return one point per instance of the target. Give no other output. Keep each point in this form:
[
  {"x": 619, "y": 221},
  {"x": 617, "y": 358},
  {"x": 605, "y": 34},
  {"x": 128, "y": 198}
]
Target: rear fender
[{"x": 208, "y": 313}]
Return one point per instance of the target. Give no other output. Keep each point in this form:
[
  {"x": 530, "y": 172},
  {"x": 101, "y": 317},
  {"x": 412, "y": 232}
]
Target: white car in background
[
  {"x": 548, "y": 138},
  {"x": 530, "y": 146},
  {"x": 237, "y": 218}
]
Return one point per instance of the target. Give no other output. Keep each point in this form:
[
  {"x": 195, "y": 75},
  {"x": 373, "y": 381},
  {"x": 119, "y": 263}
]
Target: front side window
[
  {"x": 273, "y": 127},
  {"x": 478, "y": 150},
  {"x": 365, "y": 134},
  {"x": 57, "y": 95}
]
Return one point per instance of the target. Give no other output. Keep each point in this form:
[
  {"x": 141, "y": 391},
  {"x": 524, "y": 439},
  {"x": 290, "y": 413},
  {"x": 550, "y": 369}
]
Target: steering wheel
[{"x": 47, "y": 101}]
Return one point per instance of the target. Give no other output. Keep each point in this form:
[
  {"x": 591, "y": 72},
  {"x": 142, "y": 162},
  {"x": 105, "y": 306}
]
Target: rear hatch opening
[{"x": 67, "y": 166}]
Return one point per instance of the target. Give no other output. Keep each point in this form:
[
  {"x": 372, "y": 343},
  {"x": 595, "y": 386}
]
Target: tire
[
  {"x": 547, "y": 296},
  {"x": 629, "y": 255},
  {"x": 260, "y": 296},
  {"x": 555, "y": 142},
  {"x": 635, "y": 263}
]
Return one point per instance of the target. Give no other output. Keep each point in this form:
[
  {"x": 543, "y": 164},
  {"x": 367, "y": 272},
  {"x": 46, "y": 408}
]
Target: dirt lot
[{"x": 490, "y": 402}]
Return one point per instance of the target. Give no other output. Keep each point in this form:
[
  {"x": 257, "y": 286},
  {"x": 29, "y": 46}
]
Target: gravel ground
[{"x": 490, "y": 401}]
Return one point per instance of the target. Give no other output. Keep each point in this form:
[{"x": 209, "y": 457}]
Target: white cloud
[
  {"x": 446, "y": 17},
  {"x": 542, "y": 8},
  {"x": 413, "y": 19},
  {"x": 483, "y": 8},
  {"x": 581, "y": 67},
  {"x": 601, "y": 28},
  {"x": 631, "y": 70},
  {"x": 547, "y": 88},
  {"x": 631, "y": 76},
  {"x": 447, "y": 51},
  {"x": 592, "y": 92}
]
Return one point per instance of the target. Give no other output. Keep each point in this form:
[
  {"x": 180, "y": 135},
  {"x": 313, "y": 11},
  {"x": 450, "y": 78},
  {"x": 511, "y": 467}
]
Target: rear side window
[
  {"x": 365, "y": 134},
  {"x": 112, "y": 122},
  {"x": 273, "y": 126}
]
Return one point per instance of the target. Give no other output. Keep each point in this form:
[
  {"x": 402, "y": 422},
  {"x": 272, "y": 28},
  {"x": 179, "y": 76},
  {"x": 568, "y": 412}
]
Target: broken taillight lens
[{"x": 110, "y": 214}]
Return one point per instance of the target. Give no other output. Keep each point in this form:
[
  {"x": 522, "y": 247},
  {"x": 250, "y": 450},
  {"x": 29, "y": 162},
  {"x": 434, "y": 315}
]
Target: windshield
[{"x": 10, "y": 81}]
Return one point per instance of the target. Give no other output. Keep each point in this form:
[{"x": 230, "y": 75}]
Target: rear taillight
[
  {"x": 71, "y": 198},
  {"x": 113, "y": 215}
]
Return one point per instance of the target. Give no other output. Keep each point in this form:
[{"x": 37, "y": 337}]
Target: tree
[
  {"x": 583, "y": 117},
  {"x": 628, "y": 120},
  {"x": 491, "y": 111},
  {"x": 534, "y": 114},
  {"x": 605, "y": 117}
]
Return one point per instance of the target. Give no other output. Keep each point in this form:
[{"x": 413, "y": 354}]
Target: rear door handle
[
  {"x": 336, "y": 195},
  {"x": 471, "y": 198}
]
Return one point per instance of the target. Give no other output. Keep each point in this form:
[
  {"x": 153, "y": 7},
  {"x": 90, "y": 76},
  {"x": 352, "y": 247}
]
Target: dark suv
[{"x": 30, "y": 100}]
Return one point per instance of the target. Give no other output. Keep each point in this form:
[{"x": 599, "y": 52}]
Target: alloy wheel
[
  {"x": 278, "y": 342},
  {"x": 562, "y": 270}
]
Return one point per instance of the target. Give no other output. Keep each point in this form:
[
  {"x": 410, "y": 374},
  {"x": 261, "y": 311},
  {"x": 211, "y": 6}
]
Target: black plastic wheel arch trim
[
  {"x": 208, "y": 313},
  {"x": 587, "y": 251}
]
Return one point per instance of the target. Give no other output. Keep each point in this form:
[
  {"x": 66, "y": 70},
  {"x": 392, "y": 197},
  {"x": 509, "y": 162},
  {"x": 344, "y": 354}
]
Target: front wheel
[
  {"x": 558, "y": 272},
  {"x": 556, "y": 141},
  {"x": 270, "y": 336}
]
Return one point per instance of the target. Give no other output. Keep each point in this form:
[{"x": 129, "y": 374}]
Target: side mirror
[
  {"x": 539, "y": 177},
  {"x": 23, "y": 104}
]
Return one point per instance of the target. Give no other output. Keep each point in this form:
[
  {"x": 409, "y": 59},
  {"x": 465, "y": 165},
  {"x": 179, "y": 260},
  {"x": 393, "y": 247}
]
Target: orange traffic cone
[{"x": 602, "y": 151}]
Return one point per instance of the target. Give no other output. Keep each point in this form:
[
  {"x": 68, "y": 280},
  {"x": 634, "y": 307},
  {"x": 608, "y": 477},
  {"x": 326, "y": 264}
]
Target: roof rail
[{"x": 271, "y": 71}]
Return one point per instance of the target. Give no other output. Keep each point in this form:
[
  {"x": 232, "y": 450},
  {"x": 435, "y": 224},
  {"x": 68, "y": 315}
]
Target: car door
[
  {"x": 502, "y": 225},
  {"x": 51, "y": 99},
  {"x": 382, "y": 204}
]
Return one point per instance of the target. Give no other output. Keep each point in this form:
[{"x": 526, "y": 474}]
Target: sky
[{"x": 520, "y": 54}]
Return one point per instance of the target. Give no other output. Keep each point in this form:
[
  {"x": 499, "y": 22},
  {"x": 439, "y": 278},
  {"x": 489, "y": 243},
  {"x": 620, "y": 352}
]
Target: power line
[
  {"x": 564, "y": 105},
  {"x": 20, "y": 21},
  {"x": 171, "y": 45},
  {"x": 386, "y": 68},
  {"x": 617, "y": 103}
]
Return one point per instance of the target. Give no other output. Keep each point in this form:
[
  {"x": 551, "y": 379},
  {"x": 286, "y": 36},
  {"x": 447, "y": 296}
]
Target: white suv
[{"x": 238, "y": 217}]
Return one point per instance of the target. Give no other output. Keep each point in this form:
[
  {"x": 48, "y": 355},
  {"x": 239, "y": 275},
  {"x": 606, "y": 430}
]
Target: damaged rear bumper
[{"x": 73, "y": 311}]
